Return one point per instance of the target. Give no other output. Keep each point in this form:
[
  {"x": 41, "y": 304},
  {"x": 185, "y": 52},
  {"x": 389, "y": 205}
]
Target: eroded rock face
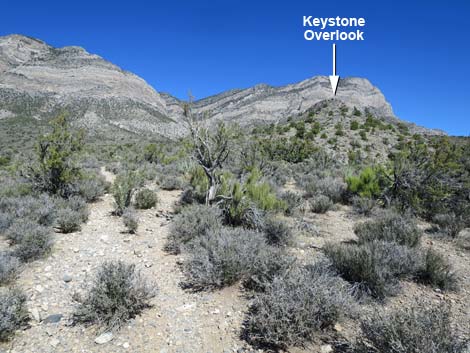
[
  {"x": 38, "y": 80},
  {"x": 266, "y": 103}
]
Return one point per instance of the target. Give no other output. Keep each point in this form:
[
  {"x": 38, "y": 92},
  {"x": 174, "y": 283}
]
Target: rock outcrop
[{"x": 38, "y": 81}]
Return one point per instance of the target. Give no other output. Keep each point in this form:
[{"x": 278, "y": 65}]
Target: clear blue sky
[{"x": 416, "y": 52}]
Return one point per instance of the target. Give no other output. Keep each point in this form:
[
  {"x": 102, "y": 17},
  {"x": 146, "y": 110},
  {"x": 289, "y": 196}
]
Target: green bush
[
  {"x": 296, "y": 307},
  {"x": 390, "y": 227},
  {"x": 354, "y": 125},
  {"x": 13, "y": 312},
  {"x": 145, "y": 199},
  {"x": 118, "y": 293},
  {"x": 123, "y": 189},
  {"x": 422, "y": 327},
  {"x": 57, "y": 169},
  {"x": 247, "y": 199},
  {"x": 366, "y": 184}
]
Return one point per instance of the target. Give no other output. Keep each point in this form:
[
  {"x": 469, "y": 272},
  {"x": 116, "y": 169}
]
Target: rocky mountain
[{"x": 38, "y": 80}]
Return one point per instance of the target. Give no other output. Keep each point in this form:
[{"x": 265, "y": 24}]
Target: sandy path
[{"x": 180, "y": 321}]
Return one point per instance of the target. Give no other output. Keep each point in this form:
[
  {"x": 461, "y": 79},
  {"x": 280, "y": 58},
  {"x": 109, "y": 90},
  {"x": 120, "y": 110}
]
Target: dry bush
[
  {"x": 193, "y": 221},
  {"x": 130, "y": 220},
  {"x": 363, "y": 205},
  {"x": 390, "y": 227},
  {"x": 296, "y": 306},
  {"x": 223, "y": 257},
  {"x": 13, "y": 312},
  {"x": 9, "y": 268},
  {"x": 277, "y": 232},
  {"x": 321, "y": 204},
  {"x": 374, "y": 267},
  {"x": 421, "y": 328},
  {"x": 118, "y": 293},
  {"x": 145, "y": 199}
]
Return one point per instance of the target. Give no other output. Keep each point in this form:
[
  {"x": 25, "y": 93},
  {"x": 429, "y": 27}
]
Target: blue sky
[{"x": 416, "y": 52}]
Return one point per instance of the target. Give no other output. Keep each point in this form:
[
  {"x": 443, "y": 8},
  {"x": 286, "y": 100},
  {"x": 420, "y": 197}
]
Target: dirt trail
[{"x": 180, "y": 321}]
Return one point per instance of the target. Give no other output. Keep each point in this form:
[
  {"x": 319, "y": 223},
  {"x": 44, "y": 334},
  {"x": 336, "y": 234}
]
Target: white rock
[
  {"x": 54, "y": 342},
  {"x": 104, "y": 338},
  {"x": 35, "y": 314},
  {"x": 326, "y": 348}
]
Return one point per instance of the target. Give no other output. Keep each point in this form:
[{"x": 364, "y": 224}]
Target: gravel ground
[{"x": 179, "y": 321}]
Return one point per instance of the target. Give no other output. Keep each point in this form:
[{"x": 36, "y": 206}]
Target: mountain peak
[{"x": 37, "y": 80}]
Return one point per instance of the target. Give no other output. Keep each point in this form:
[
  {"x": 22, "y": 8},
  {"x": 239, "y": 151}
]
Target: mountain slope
[{"x": 38, "y": 81}]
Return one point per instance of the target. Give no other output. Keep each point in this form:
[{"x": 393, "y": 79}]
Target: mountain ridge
[{"x": 39, "y": 80}]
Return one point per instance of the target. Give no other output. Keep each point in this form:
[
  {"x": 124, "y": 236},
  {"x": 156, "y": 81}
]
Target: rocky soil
[{"x": 179, "y": 321}]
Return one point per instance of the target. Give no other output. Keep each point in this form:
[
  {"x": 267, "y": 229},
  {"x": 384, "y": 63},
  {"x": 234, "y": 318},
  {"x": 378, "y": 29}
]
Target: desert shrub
[
  {"x": 14, "y": 187},
  {"x": 40, "y": 209},
  {"x": 13, "y": 312},
  {"x": 247, "y": 202},
  {"x": 33, "y": 241},
  {"x": 24, "y": 228},
  {"x": 171, "y": 183},
  {"x": 68, "y": 220},
  {"x": 292, "y": 150},
  {"x": 354, "y": 125},
  {"x": 123, "y": 189},
  {"x": 57, "y": 168},
  {"x": 374, "y": 267},
  {"x": 71, "y": 213},
  {"x": 296, "y": 306},
  {"x": 192, "y": 222},
  {"x": 145, "y": 199},
  {"x": 321, "y": 204},
  {"x": 118, "y": 293},
  {"x": 9, "y": 267},
  {"x": 277, "y": 232},
  {"x": 328, "y": 186},
  {"x": 224, "y": 257},
  {"x": 363, "y": 205},
  {"x": 261, "y": 193},
  {"x": 91, "y": 189},
  {"x": 130, "y": 220},
  {"x": 430, "y": 178},
  {"x": 366, "y": 184},
  {"x": 390, "y": 227},
  {"x": 6, "y": 219},
  {"x": 422, "y": 327},
  {"x": 292, "y": 201},
  {"x": 450, "y": 223},
  {"x": 436, "y": 271}
]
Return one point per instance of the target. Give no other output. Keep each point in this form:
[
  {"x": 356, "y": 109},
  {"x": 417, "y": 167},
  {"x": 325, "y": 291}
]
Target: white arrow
[{"x": 334, "y": 78}]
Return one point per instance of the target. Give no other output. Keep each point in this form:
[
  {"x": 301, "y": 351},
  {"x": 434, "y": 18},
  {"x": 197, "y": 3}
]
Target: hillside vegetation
[{"x": 252, "y": 204}]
